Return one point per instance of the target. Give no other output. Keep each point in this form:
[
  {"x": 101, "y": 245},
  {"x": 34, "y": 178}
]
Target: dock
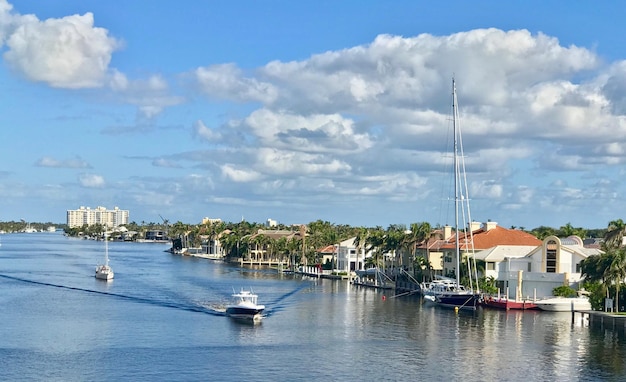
[{"x": 608, "y": 320}]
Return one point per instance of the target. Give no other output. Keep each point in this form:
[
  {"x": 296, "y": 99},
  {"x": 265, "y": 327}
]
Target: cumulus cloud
[
  {"x": 382, "y": 109},
  {"x": 91, "y": 180},
  {"x": 72, "y": 53},
  {"x": 69, "y": 52},
  {"x": 312, "y": 133}
]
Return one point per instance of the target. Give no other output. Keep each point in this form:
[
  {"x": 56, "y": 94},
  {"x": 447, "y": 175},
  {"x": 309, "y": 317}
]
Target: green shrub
[{"x": 564, "y": 291}]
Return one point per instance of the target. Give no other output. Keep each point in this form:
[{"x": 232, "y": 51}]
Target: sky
[{"x": 300, "y": 111}]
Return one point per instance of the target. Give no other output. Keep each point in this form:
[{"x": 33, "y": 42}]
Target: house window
[
  {"x": 491, "y": 266},
  {"x": 551, "y": 248}
]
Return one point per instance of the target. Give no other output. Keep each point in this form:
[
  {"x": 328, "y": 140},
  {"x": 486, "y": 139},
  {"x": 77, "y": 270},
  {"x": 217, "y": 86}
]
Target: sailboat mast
[
  {"x": 457, "y": 183},
  {"x": 106, "y": 249}
]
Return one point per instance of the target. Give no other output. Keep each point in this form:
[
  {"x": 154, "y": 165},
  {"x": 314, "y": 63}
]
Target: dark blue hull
[
  {"x": 458, "y": 300},
  {"x": 242, "y": 312}
]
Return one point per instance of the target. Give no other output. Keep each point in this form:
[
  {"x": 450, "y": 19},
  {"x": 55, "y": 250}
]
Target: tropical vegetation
[{"x": 604, "y": 274}]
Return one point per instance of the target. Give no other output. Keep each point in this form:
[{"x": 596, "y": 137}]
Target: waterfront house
[
  {"x": 555, "y": 262},
  {"x": 327, "y": 255},
  {"x": 440, "y": 249},
  {"x": 344, "y": 256}
]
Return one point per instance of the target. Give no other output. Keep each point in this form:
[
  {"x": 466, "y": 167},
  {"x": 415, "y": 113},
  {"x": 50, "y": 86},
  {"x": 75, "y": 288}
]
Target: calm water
[{"x": 156, "y": 322}]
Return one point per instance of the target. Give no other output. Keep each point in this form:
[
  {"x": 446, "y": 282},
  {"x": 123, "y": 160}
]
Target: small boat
[
  {"x": 509, "y": 304},
  {"x": 104, "y": 271},
  {"x": 447, "y": 292},
  {"x": 564, "y": 304},
  {"x": 245, "y": 306},
  {"x": 505, "y": 302}
]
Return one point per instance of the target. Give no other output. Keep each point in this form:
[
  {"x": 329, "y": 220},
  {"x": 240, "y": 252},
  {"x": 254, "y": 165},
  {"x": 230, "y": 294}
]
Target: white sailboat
[
  {"x": 104, "y": 271},
  {"x": 459, "y": 297}
]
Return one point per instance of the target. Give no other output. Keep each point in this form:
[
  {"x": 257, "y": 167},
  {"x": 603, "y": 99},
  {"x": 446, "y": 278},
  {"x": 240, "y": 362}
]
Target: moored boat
[
  {"x": 564, "y": 304},
  {"x": 509, "y": 304},
  {"x": 245, "y": 306},
  {"x": 459, "y": 297}
]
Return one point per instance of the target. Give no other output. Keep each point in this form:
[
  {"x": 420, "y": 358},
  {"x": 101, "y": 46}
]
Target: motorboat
[
  {"x": 245, "y": 306},
  {"x": 564, "y": 304},
  {"x": 104, "y": 271}
]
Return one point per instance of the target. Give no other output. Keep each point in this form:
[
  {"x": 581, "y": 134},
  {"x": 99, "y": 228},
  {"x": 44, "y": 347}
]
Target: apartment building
[{"x": 99, "y": 215}]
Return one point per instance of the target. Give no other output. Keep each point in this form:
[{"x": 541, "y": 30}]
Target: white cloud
[
  {"x": 202, "y": 131},
  {"x": 227, "y": 81},
  {"x": 67, "y": 53},
  {"x": 277, "y": 162},
  {"x": 310, "y": 133},
  {"x": 68, "y": 163},
  {"x": 239, "y": 175},
  {"x": 91, "y": 180},
  {"x": 162, "y": 162}
]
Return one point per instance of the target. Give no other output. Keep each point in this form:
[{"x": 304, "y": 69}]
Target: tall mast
[
  {"x": 106, "y": 249},
  {"x": 457, "y": 183}
]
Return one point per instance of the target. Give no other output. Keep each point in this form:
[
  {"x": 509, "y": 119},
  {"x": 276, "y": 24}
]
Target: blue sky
[{"x": 298, "y": 111}]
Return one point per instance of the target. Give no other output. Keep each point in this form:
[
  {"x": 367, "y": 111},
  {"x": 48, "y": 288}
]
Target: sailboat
[
  {"x": 459, "y": 297},
  {"x": 104, "y": 271}
]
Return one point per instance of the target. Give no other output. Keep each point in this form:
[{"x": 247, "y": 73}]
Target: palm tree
[
  {"x": 420, "y": 232},
  {"x": 393, "y": 242},
  {"x": 360, "y": 243},
  {"x": 615, "y": 234},
  {"x": 423, "y": 265},
  {"x": 616, "y": 272},
  {"x": 374, "y": 243}
]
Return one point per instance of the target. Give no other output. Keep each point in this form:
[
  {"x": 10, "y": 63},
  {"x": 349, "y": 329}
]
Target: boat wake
[
  {"x": 196, "y": 308},
  {"x": 277, "y": 304}
]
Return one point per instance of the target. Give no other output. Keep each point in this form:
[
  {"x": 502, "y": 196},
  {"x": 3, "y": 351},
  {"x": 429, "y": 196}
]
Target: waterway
[{"x": 157, "y": 321}]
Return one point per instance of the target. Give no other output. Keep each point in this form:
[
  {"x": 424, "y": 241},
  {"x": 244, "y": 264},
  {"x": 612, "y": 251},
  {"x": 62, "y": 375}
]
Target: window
[{"x": 551, "y": 250}]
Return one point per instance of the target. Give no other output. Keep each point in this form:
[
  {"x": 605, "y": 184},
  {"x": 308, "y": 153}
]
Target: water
[{"x": 157, "y": 322}]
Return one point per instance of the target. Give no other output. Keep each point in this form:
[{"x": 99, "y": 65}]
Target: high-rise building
[{"x": 99, "y": 215}]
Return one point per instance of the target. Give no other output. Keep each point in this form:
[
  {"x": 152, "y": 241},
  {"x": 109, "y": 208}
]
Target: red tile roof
[
  {"x": 328, "y": 249},
  {"x": 488, "y": 239}
]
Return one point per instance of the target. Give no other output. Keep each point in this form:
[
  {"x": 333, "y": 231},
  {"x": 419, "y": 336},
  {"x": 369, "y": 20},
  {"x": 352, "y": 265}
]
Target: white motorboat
[
  {"x": 564, "y": 304},
  {"x": 245, "y": 306},
  {"x": 104, "y": 271}
]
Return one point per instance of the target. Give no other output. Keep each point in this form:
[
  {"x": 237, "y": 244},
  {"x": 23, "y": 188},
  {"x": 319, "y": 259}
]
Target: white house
[
  {"x": 348, "y": 260},
  {"x": 540, "y": 269}
]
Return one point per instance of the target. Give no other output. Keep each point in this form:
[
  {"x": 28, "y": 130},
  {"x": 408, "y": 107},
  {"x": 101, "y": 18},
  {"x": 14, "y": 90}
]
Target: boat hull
[
  {"x": 506, "y": 304},
  {"x": 564, "y": 304},
  {"x": 104, "y": 272},
  {"x": 458, "y": 301},
  {"x": 244, "y": 312}
]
